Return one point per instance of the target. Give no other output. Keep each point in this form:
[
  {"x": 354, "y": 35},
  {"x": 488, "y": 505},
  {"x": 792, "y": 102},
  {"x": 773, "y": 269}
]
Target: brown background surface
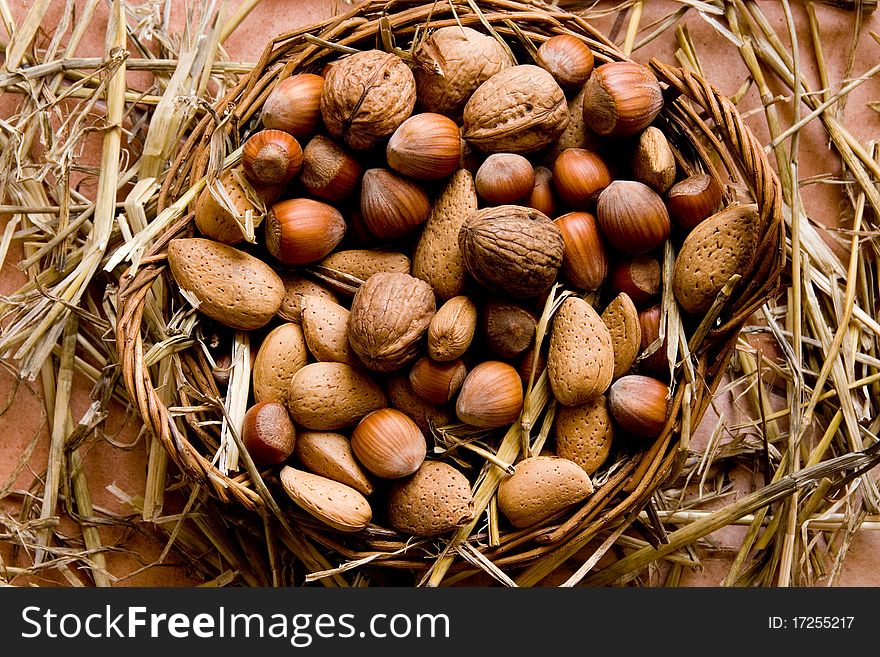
[{"x": 23, "y": 426}]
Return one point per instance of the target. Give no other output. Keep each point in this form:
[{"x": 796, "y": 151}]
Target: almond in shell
[
  {"x": 622, "y": 319},
  {"x": 580, "y": 357},
  {"x": 584, "y": 434},
  {"x": 329, "y": 454},
  {"x": 229, "y": 285},
  {"x": 719, "y": 247},
  {"x": 295, "y": 286},
  {"x": 437, "y": 259},
  {"x": 434, "y": 500},
  {"x": 325, "y": 326},
  {"x": 335, "y": 504},
  {"x": 281, "y": 354},
  {"x": 363, "y": 263},
  {"x": 452, "y": 329},
  {"x": 329, "y": 396},
  {"x": 541, "y": 487}
]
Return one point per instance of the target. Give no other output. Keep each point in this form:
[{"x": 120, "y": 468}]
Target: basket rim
[{"x": 701, "y": 103}]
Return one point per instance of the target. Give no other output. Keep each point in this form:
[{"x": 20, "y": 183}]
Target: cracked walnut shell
[{"x": 366, "y": 96}]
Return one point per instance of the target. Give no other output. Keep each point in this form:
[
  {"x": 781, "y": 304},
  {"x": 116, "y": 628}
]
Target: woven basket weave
[{"x": 702, "y": 124}]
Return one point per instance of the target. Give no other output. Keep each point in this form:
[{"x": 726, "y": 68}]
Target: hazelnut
[
  {"x": 491, "y": 395},
  {"x": 584, "y": 258},
  {"x": 329, "y": 171},
  {"x": 621, "y": 98},
  {"x": 504, "y": 178},
  {"x": 693, "y": 199},
  {"x": 639, "y": 277},
  {"x": 568, "y": 59},
  {"x": 391, "y": 205},
  {"x": 302, "y": 230},
  {"x": 655, "y": 363},
  {"x": 633, "y": 218},
  {"x": 271, "y": 157},
  {"x": 437, "y": 382},
  {"x": 426, "y": 146},
  {"x": 294, "y": 105},
  {"x": 388, "y": 444},
  {"x": 579, "y": 176},
  {"x": 268, "y": 433},
  {"x": 543, "y": 197},
  {"x": 639, "y": 405}
]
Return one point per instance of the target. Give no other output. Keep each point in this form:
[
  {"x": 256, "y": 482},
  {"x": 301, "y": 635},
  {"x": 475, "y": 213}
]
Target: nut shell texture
[
  {"x": 584, "y": 434},
  {"x": 329, "y": 454},
  {"x": 366, "y": 96},
  {"x": 719, "y": 247},
  {"x": 435, "y": 500},
  {"x": 456, "y": 60},
  {"x": 232, "y": 287},
  {"x": 282, "y": 353},
  {"x": 330, "y": 396},
  {"x": 541, "y": 487},
  {"x": 512, "y": 250},
  {"x": 522, "y": 109},
  {"x": 580, "y": 358},
  {"x": 389, "y": 444},
  {"x": 390, "y": 313},
  {"x": 621, "y": 98},
  {"x": 338, "y": 505}
]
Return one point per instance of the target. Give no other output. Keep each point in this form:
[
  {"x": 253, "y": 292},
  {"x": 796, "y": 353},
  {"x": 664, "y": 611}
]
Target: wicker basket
[{"x": 703, "y": 126}]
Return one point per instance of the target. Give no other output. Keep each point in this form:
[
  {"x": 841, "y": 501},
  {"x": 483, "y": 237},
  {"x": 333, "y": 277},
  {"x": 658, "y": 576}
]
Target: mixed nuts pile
[{"x": 408, "y": 219}]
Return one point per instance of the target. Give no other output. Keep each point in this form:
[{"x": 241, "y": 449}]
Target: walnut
[
  {"x": 390, "y": 313},
  {"x": 453, "y": 62},
  {"x": 511, "y": 250},
  {"x": 522, "y": 109},
  {"x": 366, "y": 96}
]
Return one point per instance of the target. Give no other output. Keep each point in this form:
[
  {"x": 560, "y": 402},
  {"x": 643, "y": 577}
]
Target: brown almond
[
  {"x": 333, "y": 503},
  {"x": 330, "y": 396},
  {"x": 325, "y": 326},
  {"x": 434, "y": 500},
  {"x": 584, "y": 434},
  {"x": 329, "y": 454},
  {"x": 229, "y": 285},
  {"x": 437, "y": 259},
  {"x": 363, "y": 263},
  {"x": 281, "y": 355},
  {"x": 622, "y": 319},
  {"x": 452, "y": 329},
  {"x": 716, "y": 249},
  {"x": 541, "y": 487},
  {"x": 296, "y": 285},
  {"x": 580, "y": 357}
]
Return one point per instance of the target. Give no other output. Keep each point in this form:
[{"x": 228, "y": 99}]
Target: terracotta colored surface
[{"x": 122, "y": 462}]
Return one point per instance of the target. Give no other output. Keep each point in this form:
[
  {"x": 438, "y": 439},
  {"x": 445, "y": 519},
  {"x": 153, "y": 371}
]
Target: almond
[
  {"x": 329, "y": 396},
  {"x": 296, "y": 285},
  {"x": 390, "y": 313},
  {"x": 325, "y": 325},
  {"x": 329, "y": 454},
  {"x": 337, "y": 505},
  {"x": 541, "y": 487},
  {"x": 281, "y": 354},
  {"x": 584, "y": 433},
  {"x": 622, "y": 319},
  {"x": 437, "y": 259},
  {"x": 580, "y": 357},
  {"x": 434, "y": 500},
  {"x": 230, "y": 286},
  {"x": 716, "y": 249},
  {"x": 452, "y": 329},
  {"x": 363, "y": 263}
]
